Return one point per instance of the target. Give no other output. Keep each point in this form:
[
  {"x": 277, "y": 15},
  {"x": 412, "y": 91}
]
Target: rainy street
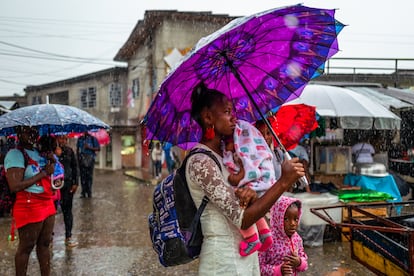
[{"x": 112, "y": 232}]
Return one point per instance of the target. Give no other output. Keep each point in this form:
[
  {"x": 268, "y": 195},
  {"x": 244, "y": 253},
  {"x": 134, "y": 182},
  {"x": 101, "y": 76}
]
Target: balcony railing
[{"x": 370, "y": 65}]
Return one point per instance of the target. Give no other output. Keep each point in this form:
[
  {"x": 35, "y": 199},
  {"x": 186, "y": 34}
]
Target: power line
[
  {"x": 88, "y": 61},
  {"x": 47, "y": 53}
]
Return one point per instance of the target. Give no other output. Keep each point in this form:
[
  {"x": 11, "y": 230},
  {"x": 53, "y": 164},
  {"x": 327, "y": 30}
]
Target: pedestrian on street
[
  {"x": 86, "y": 149},
  {"x": 33, "y": 210},
  {"x": 228, "y": 210},
  {"x": 70, "y": 164},
  {"x": 156, "y": 156}
]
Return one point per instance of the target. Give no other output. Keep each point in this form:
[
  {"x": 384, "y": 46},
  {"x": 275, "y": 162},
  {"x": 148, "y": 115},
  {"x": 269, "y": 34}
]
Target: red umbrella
[
  {"x": 292, "y": 122},
  {"x": 101, "y": 135}
]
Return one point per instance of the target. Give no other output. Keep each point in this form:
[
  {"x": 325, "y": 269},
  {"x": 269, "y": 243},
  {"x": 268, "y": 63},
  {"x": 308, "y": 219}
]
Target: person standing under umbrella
[
  {"x": 228, "y": 211},
  {"x": 86, "y": 149},
  {"x": 363, "y": 152},
  {"x": 68, "y": 159},
  {"x": 157, "y": 156},
  {"x": 33, "y": 212}
]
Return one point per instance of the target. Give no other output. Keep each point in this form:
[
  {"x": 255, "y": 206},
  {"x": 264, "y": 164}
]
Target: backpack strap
[{"x": 25, "y": 155}]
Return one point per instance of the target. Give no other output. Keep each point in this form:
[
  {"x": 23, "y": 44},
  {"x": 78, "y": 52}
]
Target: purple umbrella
[{"x": 259, "y": 62}]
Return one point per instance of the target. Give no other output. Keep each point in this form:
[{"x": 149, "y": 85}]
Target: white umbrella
[{"x": 353, "y": 110}]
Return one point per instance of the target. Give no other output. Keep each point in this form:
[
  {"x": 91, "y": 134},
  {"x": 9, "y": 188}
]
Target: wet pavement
[{"x": 112, "y": 232}]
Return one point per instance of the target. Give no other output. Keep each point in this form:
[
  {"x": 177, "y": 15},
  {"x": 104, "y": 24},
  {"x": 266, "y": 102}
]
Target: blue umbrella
[{"x": 50, "y": 119}]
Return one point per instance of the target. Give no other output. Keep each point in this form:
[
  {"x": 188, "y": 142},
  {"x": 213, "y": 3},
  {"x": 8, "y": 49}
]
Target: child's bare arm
[{"x": 234, "y": 179}]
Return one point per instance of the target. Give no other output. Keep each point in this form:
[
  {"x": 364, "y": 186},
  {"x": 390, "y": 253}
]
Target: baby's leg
[
  {"x": 265, "y": 235},
  {"x": 250, "y": 242}
]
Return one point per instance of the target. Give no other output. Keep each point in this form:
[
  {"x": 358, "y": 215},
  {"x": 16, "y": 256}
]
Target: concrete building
[
  {"x": 100, "y": 94},
  {"x": 155, "y": 45}
]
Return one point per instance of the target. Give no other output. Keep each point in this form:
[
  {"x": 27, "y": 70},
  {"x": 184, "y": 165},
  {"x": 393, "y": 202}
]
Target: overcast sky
[{"x": 44, "y": 41}]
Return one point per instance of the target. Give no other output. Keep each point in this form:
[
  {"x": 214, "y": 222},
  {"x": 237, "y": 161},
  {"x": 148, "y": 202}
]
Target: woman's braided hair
[{"x": 203, "y": 97}]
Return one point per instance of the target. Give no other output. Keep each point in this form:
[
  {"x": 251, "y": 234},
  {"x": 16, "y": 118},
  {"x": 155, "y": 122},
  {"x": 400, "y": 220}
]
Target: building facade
[
  {"x": 100, "y": 94},
  {"x": 154, "y": 47}
]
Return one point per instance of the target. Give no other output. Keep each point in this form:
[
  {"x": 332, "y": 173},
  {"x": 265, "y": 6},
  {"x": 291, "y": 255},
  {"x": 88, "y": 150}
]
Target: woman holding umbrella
[
  {"x": 227, "y": 211},
  {"x": 33, "y": 210}
]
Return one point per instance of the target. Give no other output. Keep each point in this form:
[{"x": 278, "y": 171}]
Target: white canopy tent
[{"x": 352, "y": 110}]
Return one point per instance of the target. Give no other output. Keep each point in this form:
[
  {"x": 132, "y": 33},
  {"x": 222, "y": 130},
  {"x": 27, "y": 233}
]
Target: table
[
  {"x": 405, "y": 169},
  {"x": 401, "y": 166},
  {"x": 384, "y": 184}
]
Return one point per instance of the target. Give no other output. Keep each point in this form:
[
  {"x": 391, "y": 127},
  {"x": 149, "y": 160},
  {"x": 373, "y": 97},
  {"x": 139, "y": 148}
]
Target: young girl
[
  {"x": 47, "y": 148},
  {"x": 249, "y": 161},
  {"x": 286, "y": 256}
]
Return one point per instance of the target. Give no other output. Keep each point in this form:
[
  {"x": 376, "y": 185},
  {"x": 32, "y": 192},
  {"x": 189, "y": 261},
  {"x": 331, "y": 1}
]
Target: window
[
  {"x": 135, "y": 88},
  {"x": 115, "y": 94},
  {"x": 88, "y": 97},
  {"x": 59, "y": 97},
  {"x": 36, "y": 100}
]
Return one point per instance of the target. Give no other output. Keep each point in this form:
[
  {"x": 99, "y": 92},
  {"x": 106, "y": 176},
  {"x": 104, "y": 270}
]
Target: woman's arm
[
  {"x": 292, "y": 170},
  {"x": 203, "y": 171},
  {"x": 16, "y": 181}
]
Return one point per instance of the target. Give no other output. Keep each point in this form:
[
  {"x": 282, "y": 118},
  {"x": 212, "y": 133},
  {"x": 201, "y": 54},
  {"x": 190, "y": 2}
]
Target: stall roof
[
  {"x": 391, "y": 98},
  {"x": 384, "y": 96},
  {"x": 402, "y": 94},
  {"x": 7, "y": 104}
]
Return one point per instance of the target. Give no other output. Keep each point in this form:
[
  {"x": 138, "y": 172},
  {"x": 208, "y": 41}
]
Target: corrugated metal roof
[
  {"x": 7, "y": 104},
  {"x": 389, "y": 100},
  {"x": 402, "y": 94}
]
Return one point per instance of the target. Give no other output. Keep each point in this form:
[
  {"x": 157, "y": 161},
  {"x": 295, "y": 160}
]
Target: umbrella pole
[{"x": 236, "y": 74}]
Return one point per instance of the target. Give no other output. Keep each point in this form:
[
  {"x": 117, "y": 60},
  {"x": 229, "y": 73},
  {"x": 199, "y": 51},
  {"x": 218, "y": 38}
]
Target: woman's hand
[
  {"x": 246, "y": 196},
  {"x": 50, "y": 168},
  {"x": 292, "y": 170}
]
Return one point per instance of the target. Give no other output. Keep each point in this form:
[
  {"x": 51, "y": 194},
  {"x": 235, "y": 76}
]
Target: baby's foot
[
  {"x": 249, "y": 245},
  {"x": 265, "y": 236}
]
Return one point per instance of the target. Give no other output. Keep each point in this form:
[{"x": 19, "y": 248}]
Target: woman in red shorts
[{"x": 33, "y": 210}]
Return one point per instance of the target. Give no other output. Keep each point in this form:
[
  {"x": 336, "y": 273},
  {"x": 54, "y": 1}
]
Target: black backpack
[
  {"x": 7, "y": 198},
  {"x": 174, "y": 225}
]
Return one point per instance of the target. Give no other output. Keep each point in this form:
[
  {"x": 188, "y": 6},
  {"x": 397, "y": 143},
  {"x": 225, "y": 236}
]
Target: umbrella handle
[
  {"x": 53, "y": 185},
  {"x": 303, "y": 179}
]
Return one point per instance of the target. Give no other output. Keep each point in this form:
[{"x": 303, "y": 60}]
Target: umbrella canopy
[
  {"x": 101, "y": 135},
  {"x": 353, "y": 110},
  {"x": 259, "y": 62},
  {"x": 50, "y": 119},
  {"x": 292, "y": 122}
]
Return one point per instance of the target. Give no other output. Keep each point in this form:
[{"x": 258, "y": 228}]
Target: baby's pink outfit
[{"x": 256, "y": 156}]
